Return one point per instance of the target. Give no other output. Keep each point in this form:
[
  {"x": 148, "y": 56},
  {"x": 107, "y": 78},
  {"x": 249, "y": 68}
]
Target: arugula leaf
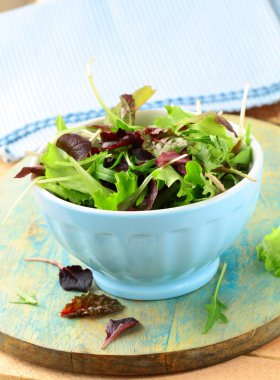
[
  {"x": 24, "y": 298},
  {"x": 215, "y": 309},
  {"x": 98, "y": 171},
  {"x": 60, "y": 124},
  {"x": 269, "y": 251}
]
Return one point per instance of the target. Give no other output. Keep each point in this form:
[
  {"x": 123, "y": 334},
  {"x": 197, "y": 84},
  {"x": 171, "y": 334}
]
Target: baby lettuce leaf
[
  {"x": 175, "y": 118},
  {"x": 38, "y": 170},
  {"x": 72, "y": 196},
  {"x": 167, "y": 174},
  {"x": 72, "y": 277},
  {"x": 75, "y": 145},
  {"x": 129, "y": 104},
  {"x": 126, "y": 185},
  {"x": 60, "y": 124},
  {"x": 116, "y": 327},
  {"x": 68, "y": 172},
  {"x": 244, "y": 157},
  {"x": 194, "y": 173},
  {"x": 24, "y": 298},
  {"x": 92, "y": 305},
  {"x": 221, "y": 120},
  {"x": 269, "y": 251},
  {"x": 215, "y": 308},
  {"x": 127, "y": 109},
  {"x": 166, "y": 157}
]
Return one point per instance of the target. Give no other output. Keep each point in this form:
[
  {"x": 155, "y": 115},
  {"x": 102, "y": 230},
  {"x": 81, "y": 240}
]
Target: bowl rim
[{"x": 254, "y": 172}]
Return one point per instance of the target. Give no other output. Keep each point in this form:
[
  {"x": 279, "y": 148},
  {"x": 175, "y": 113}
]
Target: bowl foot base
[{"x": 175, "y": 288}]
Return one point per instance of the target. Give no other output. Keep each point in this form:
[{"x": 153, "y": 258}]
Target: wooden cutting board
[{"x": 170, "y": 338}]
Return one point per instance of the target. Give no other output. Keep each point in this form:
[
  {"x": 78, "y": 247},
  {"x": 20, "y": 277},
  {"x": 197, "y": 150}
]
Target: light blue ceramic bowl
[{"x": 152, "y": 255}]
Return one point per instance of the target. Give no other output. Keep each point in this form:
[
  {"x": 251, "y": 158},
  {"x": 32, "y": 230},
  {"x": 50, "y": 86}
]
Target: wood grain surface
[{"x": 178, "y": 363}]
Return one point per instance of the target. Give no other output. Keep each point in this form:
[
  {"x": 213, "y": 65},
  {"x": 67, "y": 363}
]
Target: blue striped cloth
[{"x": 185, "y": 49}]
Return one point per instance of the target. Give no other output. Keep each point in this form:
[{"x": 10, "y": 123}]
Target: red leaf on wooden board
[
  {"x": 116, "y": 327},
  {"x": 72, "y": 277},
  {"x": 38, "y": 170},
  {"x": 76, "y": 146},
  {"x": 91, "y": 304}
]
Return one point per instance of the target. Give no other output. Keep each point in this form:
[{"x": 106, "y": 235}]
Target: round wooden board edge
[{"x": 150, "y": 364}]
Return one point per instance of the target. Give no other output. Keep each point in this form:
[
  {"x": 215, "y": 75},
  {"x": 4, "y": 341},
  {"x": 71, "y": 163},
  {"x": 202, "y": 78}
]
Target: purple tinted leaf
[
  {"x": 76, "y": 146},
  {"x": 112, "y": 136},
  {"x": 74, "y": 277},
  {"x": 221, "y": 120},
  {"x": 130, "y": 138},
  {"x": 180, "y": 168},
  {"x": 156, "y": 133},
  {"x": 142, "y": 154},
  {"x": 94, "y": 150},
  {"x": 91, "y": 304},
  {"x": 166, "y": 157},
  {"x": 122, "y": 166},
  {"x": 38, "y": 170},
  {"x": 127, "y": 109},
  {"x": 116, "y": 327},
  {"x": 149, "y": 200}
]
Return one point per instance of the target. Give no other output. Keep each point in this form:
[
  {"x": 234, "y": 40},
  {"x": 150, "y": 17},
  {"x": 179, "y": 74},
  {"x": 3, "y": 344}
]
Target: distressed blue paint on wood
[{"x": 251, "y": 293}]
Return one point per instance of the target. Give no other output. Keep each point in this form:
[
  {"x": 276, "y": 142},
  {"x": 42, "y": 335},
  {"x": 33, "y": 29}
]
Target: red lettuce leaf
[
  {"x": 94, "y": 150},
  {"x": 221, "y": 120},
  {"x": 38, "y": 170},
  {"x": 141, "y": 154},
  {"x": 76, "y": 146},
  {"x": 90, "y": 304},
  {"x": 130, "y": 138},
  {"x": 166, "y": 157},
  {"x": 116, "y": 327},
  {"x": 74, "y": 277},
  {"x": 112, "y": 136},
  {"x": 150, "y": 198},
  {"x": 127, "y": 108}
]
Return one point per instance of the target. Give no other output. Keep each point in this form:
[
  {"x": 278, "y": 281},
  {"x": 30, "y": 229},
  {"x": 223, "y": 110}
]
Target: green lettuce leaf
[
  {"x": 60, "y": 124},
  {"x": 126, "y": 185},
  {"x": 269, "y": 251}
]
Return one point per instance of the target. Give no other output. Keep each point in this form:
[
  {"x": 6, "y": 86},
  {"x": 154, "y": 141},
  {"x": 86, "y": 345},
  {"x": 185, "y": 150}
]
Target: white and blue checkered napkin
[{"x": 185, "y": 49}]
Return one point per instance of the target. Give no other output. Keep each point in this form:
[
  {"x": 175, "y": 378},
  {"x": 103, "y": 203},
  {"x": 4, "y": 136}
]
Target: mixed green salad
[{"x": 180, "y": 158}]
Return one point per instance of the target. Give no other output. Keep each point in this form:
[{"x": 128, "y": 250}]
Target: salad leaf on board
[
  {"x": 216, "y": 307},
  {"x": 268, "y": 251},
  {"x": 25, "y": 298},
  {"x": 92, "y": 305},
  {"x": 116, "y": 327},
  {"x": 72, "y": 277}
]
